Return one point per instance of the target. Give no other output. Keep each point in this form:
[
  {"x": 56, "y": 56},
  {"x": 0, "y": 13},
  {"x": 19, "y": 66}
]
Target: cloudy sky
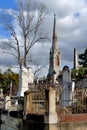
[{"x": 71, "y": 23}]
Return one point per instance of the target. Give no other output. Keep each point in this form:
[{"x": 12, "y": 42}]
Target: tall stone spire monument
[
  {"x": 75, "y": 59},
  {"x": 54, "y": 57}
]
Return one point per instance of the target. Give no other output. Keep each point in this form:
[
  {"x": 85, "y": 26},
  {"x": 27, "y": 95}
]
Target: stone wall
[
  {"x": 82, "y": 125},
  {"x": 10, "y": 123}
]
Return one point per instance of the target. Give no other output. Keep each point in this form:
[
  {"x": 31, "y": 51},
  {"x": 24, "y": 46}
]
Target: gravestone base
[
  {"x": 50, "y": 118},
  {"x": 21, "y": 91}
]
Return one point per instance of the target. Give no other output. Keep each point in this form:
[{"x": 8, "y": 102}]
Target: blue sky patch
[
  {"x": 77, "y": 14},
  {"x": 4, "y": 4}
]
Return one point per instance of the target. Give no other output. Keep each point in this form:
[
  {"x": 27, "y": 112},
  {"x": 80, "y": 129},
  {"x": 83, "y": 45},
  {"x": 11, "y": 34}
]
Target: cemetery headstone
[
  {"x": 66, "y": 94},
  {"x": 7, "y": 103},
  {"x": 1, "y": 93},
  {"x": 26, "y": 76}
]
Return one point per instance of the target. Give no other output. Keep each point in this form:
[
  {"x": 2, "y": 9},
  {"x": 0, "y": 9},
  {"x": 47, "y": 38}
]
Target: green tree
[
  {"x": 83, "y": 58},
  {"x": 5, "y": 81},
  {"x": 78, "y": 74}
]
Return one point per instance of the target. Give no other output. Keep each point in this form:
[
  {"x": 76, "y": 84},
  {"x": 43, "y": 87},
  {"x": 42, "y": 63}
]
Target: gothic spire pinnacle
[
  {"x": 54, "y": 28},
  {"x": 54, "y": 33}
]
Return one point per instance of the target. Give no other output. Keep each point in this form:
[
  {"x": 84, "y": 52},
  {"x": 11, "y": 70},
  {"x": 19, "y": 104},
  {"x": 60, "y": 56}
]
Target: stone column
[
  {"x": 50, "y": 116},
  {"x": 73, "y": 89},
  {"x": 27, "y": 103},
  {"x": 75, "y": 59}
]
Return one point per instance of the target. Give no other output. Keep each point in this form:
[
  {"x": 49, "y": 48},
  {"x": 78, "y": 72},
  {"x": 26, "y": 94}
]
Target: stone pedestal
[
  {"x": 27, "y": 103},
  {"x": 23, "y": 82},
  {"x": 50, "y": 116},
  {"x": 26, "y": 77}
]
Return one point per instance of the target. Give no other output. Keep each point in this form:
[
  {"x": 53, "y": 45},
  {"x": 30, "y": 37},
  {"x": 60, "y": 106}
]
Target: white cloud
[{"x": 71, "y": 19}]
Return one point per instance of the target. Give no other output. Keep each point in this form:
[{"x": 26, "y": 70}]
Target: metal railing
[
  {"x": 74, "y": 101},
  {"x": 37, "y": 102}
]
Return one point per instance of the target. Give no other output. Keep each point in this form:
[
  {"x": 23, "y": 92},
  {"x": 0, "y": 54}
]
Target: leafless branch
[{"x": 26, "y": 23}]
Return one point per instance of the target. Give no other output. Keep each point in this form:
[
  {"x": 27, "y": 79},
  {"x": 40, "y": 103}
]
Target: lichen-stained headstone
[{"x": 66, "y": 94}]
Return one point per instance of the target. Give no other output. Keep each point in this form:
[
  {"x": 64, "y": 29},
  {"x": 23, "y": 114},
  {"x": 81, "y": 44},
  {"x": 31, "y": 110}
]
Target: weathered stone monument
[
  {"x": 30, "y": 76},
  {"x": 26, "y": 77},
  {"x": 7, "y": 103},
  {"x": 54, "y": 56},
  {"x": 1, "y": 93},
  {"x": 50, "y": 116},
  {"x": 75, "y": 59},
  {"x": 66, "y": 94}
]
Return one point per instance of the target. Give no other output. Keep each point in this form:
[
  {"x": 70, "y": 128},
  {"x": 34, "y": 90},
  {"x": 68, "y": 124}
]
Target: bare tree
[{"x": 24, "y": 28}]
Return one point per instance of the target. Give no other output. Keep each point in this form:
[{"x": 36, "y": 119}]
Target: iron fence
[
  {"x": 37, "y": 102},
  {"x": 74, "y": 101},
  {"x": 71, "y": 100}
]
